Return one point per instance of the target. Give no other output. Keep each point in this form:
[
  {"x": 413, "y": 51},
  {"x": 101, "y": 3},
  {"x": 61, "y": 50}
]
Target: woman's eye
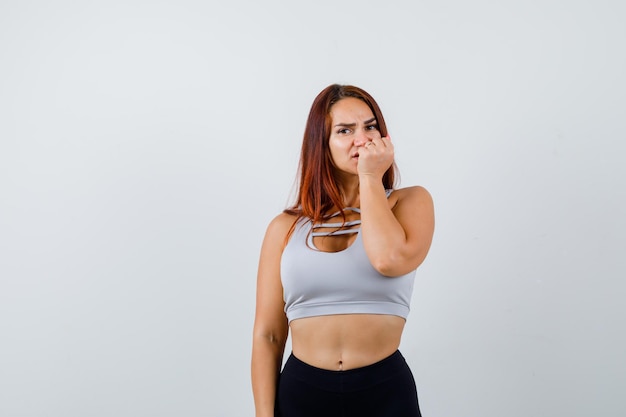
[
  {"x": 343, "y": 131},
  {"x": 372, "y": 127}
]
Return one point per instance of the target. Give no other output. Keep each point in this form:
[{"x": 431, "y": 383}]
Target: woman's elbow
[{"x": 395, "y": 265}]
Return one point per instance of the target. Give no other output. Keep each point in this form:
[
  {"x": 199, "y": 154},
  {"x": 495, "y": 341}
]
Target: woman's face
[{"x": 352, "y": 126}]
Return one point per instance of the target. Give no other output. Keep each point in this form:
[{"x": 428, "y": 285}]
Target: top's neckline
[{"x": 353, "y": 227}]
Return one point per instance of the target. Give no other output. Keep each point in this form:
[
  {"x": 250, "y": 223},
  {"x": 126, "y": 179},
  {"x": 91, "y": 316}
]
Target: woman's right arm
[{"x": 270, "y": 323}]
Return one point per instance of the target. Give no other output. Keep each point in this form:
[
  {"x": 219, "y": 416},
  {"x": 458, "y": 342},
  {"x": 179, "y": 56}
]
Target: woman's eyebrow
[{"x": 373, "y": 119}]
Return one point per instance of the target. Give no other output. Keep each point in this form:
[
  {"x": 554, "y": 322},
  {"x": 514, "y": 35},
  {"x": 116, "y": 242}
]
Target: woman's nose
[{"x": 362, "y": 138}]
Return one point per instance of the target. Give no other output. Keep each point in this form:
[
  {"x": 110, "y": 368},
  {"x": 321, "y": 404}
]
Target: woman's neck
[{"x": 350, "y": 192}]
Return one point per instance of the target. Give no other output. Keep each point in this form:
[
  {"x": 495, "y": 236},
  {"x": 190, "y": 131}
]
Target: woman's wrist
[{"x": 371, "y": 180}]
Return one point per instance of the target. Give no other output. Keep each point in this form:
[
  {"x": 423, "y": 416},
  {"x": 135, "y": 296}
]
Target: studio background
[{"x": 145, "y": 146}]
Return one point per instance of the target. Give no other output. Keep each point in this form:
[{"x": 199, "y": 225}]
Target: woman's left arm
[{"x": 396, "y": 239}]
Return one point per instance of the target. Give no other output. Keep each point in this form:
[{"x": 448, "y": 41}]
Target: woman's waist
[{"x": 346, "y": 341}]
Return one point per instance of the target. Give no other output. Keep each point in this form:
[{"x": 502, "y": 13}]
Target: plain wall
[{"x": 145, "y": 146}]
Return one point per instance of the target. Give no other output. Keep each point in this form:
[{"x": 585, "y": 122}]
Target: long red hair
[{"x": 318, "y": 190}]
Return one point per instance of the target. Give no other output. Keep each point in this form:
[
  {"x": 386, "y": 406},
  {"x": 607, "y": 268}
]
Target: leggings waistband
[{"x": 349, "y": 380}]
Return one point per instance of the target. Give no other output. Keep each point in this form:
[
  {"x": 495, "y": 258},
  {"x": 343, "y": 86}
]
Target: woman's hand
[{"x": 375, "y": 157}]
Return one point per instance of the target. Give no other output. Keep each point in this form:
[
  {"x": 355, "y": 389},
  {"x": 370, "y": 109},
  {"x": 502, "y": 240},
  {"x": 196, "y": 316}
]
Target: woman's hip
[{"x": 384, "y": 388}]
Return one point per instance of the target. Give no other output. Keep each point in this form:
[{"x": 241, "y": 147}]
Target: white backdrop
[{"x": 145, "y": 145}]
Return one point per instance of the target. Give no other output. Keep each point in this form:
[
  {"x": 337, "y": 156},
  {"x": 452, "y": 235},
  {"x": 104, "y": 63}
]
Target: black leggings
[{"x": 383, "y": 389}]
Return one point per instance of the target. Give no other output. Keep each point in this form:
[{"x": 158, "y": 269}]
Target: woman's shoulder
[
  {"x": 280, "y": 225},
  {"x": 282, "y": 220},
  {"x": 410, "y": 195}
]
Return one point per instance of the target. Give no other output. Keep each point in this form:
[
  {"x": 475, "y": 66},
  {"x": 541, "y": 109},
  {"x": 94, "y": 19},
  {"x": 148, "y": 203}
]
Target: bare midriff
[{"x": 346, "y": 341}]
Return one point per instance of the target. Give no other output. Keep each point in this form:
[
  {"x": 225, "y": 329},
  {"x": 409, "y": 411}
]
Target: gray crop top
[{"x": 317, "y": 283}]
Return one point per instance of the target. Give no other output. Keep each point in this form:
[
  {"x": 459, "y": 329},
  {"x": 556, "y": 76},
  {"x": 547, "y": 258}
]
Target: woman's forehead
[{"x": 352, "y": 108}]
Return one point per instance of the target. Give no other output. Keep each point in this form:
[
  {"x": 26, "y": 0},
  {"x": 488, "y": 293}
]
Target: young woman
[{"x": 337, "y": 269}]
